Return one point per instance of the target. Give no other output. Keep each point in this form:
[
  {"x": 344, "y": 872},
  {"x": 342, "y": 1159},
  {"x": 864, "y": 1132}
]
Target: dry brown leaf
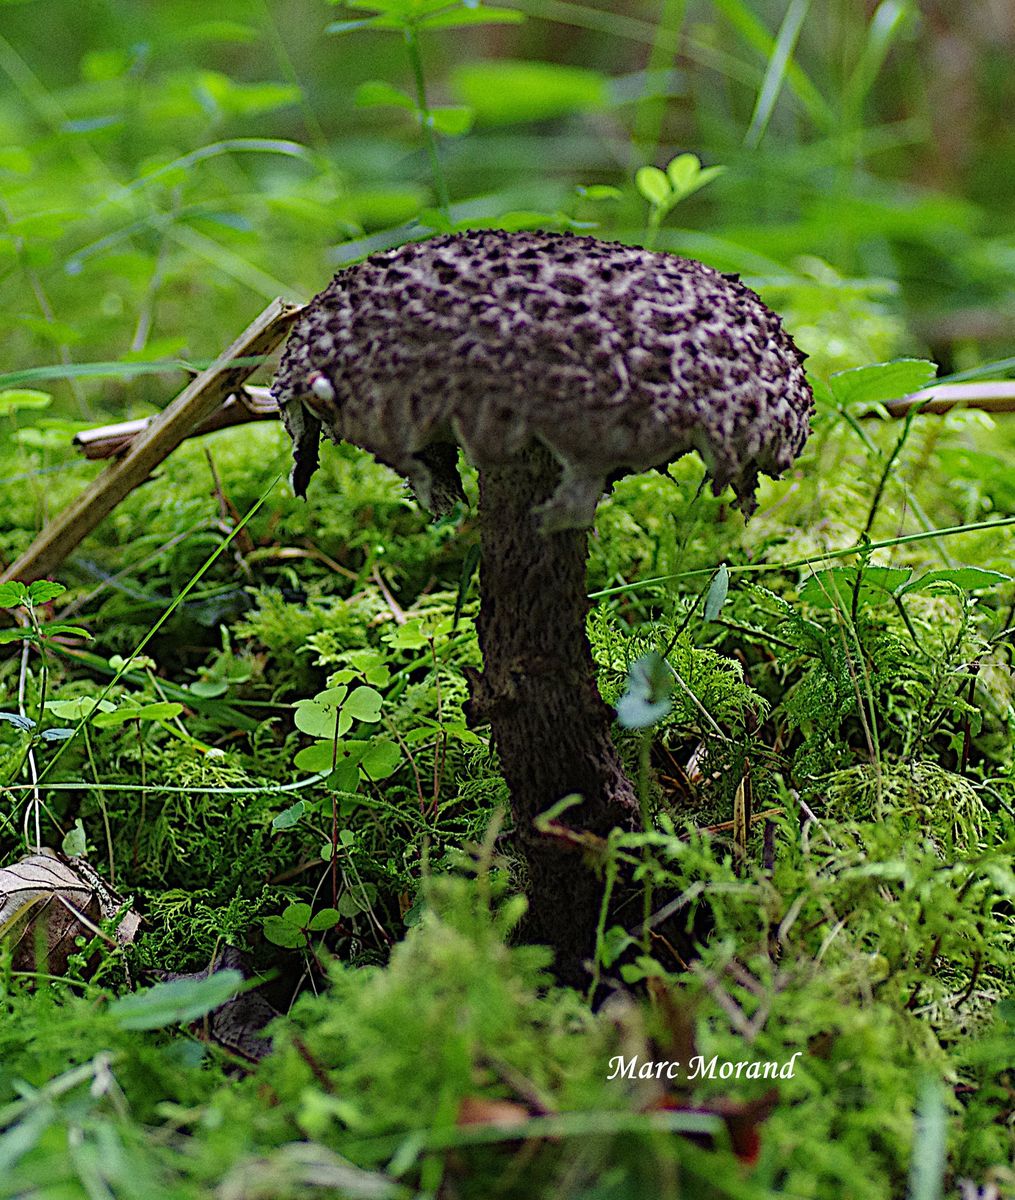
[
  {"x": 503, "y": 1114},
  {"x": 46, "y": 902}
]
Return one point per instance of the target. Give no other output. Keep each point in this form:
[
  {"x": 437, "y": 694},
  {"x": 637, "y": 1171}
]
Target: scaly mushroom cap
[{"x": 615, "y": 358}]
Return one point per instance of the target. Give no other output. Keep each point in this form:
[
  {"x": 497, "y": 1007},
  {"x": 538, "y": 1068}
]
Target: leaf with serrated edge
[
  {"x": 880, "y": 382},
  {"x": 968, "y": 579}
]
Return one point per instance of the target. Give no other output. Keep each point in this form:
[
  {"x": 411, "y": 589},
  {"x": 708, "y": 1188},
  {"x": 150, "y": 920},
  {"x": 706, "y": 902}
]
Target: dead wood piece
[
  {"x": 239, "y": 1024},
  {"x": 249, "y": 404},
  {"x": 196, "y": 403},
  {"x": 991, "y": 397}
]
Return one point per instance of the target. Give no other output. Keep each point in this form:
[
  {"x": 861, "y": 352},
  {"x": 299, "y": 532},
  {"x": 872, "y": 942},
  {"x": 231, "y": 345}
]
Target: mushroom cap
[{"x": 615, "y": 358}]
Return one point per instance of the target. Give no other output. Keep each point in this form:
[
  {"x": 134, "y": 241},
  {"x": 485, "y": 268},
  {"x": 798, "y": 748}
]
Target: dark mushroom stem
[{"x": 538, "y": 692}]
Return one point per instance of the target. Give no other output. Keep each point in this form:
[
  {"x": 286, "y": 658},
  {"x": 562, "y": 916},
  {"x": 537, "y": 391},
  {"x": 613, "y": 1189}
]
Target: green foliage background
[{"x": 165, "y": 171}]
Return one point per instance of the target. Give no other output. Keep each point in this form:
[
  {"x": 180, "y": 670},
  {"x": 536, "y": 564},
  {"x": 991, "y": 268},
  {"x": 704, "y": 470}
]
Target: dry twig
[{"x": 197, "y": 403}]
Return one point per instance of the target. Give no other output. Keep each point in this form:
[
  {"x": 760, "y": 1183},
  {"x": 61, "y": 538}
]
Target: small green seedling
[
  {"x": 684, "y": 175},
  {"x": 30, "y": 598},
  {"x": 410, "y": 18},
  {"x": 292, "y": 929},
  {"x": 329, "y": 716}
]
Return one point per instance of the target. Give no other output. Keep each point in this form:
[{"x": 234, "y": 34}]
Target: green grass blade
[
  {"x": 652, "y": 108},
  {"x": 775, "y": 73},
  {"x": 754, "y": 568},
  {"x": 110, "y": 370},
  {"x": 992, "y": 370},
  {"x": 195, "y": 579},
  {"x": 930, "y": 1145},
  {"x": 798, "y": 81},
  {"x": 888, "y": 21}
]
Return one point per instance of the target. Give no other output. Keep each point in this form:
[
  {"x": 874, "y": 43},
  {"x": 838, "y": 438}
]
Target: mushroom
[{"x": 558, "y": 364}]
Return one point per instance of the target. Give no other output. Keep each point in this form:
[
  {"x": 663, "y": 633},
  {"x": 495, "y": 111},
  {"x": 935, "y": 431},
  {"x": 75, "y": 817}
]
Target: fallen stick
[
  {"x": 256, "y": 404},
  {"x": 249, "y": 404},
  {"x": 996, "y": 397},
  {"x": 198, "y": 402},
  {"x": 215, "y": 399}
]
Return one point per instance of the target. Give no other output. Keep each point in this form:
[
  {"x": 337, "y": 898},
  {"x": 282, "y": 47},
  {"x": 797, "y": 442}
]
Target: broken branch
[{"x": 196, "y": 403}]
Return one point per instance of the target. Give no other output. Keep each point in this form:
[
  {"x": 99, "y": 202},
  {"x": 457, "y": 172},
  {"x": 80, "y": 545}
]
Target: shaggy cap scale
[{"x": 615, "y": 358}]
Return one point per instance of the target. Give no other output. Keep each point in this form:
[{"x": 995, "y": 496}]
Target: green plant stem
[
  {"x": 868, "y": 720},
  {"x": 429, "y": 137},
  {"x": 76, "y": 785},
  {"x": 611, "y": 872},
  {"x": 105, "y": 811},
  {"x": 967, "y": 729},
  {"x": 644, "y": 754},
  {"x": 334, "y": 822},
  {"x": 879, "y": 491},
  {"x": 194, "y": 581},
  {"x": 907, "y": 622},
  {"x": 83, "y": 984},
  {"x": 651, "y": 110},
  {"x": 29, "y": 754},
  {"x": 144, "y": 778},
  {"x": 655, "y": 220},
  {"x": 744, "y": 568}
]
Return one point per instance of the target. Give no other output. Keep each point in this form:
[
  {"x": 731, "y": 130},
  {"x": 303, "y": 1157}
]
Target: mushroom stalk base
[{"x": 550, "y": 726}]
